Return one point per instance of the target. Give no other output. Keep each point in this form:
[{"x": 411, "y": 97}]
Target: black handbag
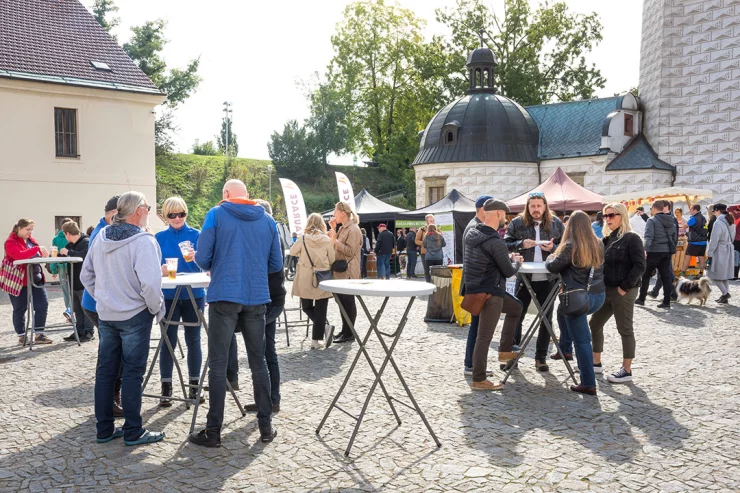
[
  {"x": 318, "y": 275},
  {"x": 574, "y": 302},
  {"x": 339, "y": 266}
]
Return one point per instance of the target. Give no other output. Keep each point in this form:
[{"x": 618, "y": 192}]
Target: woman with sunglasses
[
  {"x": 172, "y": 241},
  {"x": 580, "y": 261},
  {"x": 624, "y": 264}
]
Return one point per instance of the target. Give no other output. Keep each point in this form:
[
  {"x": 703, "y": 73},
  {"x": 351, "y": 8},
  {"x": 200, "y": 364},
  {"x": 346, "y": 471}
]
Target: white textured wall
[
  {"x": 115, "y": 143},
  {"x": 690, "y": 84}
]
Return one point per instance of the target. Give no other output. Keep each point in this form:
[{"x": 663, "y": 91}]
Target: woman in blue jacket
[{"x": 175, "y": 210}]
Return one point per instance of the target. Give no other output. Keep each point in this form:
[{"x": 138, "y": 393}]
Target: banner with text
[
  {"x": 295, "y": 208},
  {"x": 345, "y": 190},
  {"x": 446, "y": 226}
]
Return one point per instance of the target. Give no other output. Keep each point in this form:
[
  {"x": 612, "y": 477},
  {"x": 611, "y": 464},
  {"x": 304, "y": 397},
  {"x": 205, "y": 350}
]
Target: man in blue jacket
[{"x": 240, "y": 246}]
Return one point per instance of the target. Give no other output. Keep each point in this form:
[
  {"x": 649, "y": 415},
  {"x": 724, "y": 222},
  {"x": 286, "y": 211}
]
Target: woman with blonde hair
[
  {"x": 580, "y": 261},
  {"x": 315, "y": 253},
  {"x": 179, "y": 237},
  {"x": 347, "y": 245},
  {"x": 624, "y": 264},
  {"x": 21, "y": 245}
]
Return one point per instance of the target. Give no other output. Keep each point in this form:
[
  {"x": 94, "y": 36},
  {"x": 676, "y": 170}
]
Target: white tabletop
[
  {"x": 49, "y": 260},
  {"x": 394, "y": 288},
  {"x": 194, "y": 280},
  {"x": 533, "y": 268}
]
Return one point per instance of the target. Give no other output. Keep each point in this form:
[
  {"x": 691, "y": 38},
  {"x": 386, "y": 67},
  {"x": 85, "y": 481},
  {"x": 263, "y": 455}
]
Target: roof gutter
[{"x": 72, "y": 81}]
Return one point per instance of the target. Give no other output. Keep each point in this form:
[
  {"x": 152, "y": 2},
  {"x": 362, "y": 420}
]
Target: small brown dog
[{"x": 693, "y": 289}]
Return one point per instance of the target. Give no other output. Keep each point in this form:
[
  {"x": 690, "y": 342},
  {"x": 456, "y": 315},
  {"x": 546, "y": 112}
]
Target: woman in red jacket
[{"x": 21, "y": 246}]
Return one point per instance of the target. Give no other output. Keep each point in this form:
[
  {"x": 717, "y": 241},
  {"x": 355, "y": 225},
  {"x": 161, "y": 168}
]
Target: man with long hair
[{"x": 534, "y": 234}]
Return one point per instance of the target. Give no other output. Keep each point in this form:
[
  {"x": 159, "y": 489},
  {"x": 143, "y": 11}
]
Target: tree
[
  {"x": 221, "y": 139},
  {"x": 541, "y": 53},
  {"x": 204, "y": 149},
  {"x": 328, "y": 121},
  {"x": 101, "y": 9},
  {"x": 144, "y": 48},
  {"x": 295, "y": 154}
]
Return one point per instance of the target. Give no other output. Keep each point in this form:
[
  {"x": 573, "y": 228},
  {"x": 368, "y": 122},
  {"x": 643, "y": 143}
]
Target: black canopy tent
[
  {"x": 462, "y": 209},
  {"x": 372, "y": 211}
]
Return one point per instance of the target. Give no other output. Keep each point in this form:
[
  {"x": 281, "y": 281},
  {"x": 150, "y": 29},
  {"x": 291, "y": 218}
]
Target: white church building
[{"x": 683, "y": 130}]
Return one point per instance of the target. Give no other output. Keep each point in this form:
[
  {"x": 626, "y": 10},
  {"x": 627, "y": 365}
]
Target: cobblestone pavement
[{"x": 674, "y": 429}]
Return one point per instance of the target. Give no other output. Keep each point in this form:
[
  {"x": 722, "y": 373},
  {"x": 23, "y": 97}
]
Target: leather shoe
[
  {"x": 343, "y": 338},
  {"x": 568, "y": 356},
  {"x": 206, "y": 438},
  {"x": 252, "y": 408},
  {"x": 583, "y": 390},
  {"x": 268, "y": 436}
]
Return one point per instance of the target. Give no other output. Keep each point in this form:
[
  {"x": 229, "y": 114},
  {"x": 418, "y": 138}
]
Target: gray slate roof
[
  {"x": 638, "y": 154},
  {"x": 572, "y": 129},
  {"x": 56, "y": 41}
]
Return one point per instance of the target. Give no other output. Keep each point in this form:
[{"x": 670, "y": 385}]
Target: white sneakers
[
  {"x": 622, "y": 376},
  {"x": 316, "y": 344}
]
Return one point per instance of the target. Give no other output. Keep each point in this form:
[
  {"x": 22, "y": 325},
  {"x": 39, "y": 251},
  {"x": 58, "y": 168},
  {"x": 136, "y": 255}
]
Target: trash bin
[
  {"x": 461, "y": 316},
  {"x": 371, "y": 266},
  {"x": 439, "y": 304}
]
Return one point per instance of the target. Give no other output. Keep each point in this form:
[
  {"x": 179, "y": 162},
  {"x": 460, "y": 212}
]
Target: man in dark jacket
[
  {"x": 411, "y": 253},
  {"x": 77, "y": 246},
  {"x": 473, "y": 329},
  {"x": 400, "y": 241},
  {"x": 384, "y": 249},
  {"x": 661, "y": 237},
  {"x": 487, "y": 265},
  {"x": 535, "y": 233}
]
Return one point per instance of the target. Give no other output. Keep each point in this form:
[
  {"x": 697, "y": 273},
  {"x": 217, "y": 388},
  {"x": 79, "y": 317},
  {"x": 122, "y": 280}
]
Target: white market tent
[{"x": 689, "y": 196}]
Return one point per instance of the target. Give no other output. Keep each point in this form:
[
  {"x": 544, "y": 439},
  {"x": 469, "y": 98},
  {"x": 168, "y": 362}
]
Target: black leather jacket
[
  {"x": 486, "y": 264},
  {"x": 575, "y": 277},
  {"x": 518, "y": 232},
  {"x": 624, "y": 261}
]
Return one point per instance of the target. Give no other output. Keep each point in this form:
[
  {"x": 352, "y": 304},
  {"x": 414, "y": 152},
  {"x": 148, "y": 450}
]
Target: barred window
[{"x": 65, "y": 131}]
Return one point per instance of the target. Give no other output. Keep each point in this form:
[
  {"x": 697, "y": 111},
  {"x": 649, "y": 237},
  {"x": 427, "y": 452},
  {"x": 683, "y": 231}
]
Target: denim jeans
[
  {"x": 20, "y": 307},
  {"x": 124, "y": 342},
  {"x": 224, "y": 318},
  {"x": 411, "y": 264},
  {"x": 183, "y": 311},
  {"x": 384, "y": 266},
  {"x": 470, "y": 345},
  {"x": 578, "y": 329},
  {"x": 271, "y": 315}
]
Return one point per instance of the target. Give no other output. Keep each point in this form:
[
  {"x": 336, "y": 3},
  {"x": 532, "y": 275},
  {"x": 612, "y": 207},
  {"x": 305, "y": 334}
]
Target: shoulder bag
[
  {"x": 318, "y": 275},
  {"x": 11, "y": 277},
  {"x": 574, "y": 302},
  {"x": 473, "y": 303}
]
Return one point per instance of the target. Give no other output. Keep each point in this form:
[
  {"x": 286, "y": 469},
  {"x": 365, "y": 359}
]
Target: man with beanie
[
  {"x": 473, "y": 329},
  {"x": 89, "y": 305},
  {"x": 487, "y": 265}
]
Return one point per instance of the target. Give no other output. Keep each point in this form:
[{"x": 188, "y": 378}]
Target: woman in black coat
[{"x": 624, "y": 265}]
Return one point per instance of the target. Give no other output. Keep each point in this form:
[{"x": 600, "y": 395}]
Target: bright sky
[{"x": 256, "y": 54}]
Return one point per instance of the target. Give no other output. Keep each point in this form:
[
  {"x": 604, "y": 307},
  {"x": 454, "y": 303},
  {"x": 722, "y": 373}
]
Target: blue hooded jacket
[
  {"x": 88, "y": 303},
  {"x": 239, "y": 244},
  {"x": 169, "y": 242}
]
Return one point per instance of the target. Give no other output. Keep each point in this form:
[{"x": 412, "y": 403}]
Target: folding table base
[{"x": 362, "y": 342}]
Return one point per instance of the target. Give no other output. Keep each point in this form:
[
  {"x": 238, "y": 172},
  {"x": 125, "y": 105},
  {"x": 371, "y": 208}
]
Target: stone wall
[{"x": 690, "y": 85}]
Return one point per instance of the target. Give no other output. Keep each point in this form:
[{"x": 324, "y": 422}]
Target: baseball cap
[
  {"x": 482, "y": 200},
  {"x": 382, "y": 225},
  {"x": 495, "y": 205},
  {"x": 112, "y": 203}
]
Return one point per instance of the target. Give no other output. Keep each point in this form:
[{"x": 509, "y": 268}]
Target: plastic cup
[
  {"x": 54, "y": 251},
  {"x": 186, "y": 248},
  {"x": 171, "y": 268}
]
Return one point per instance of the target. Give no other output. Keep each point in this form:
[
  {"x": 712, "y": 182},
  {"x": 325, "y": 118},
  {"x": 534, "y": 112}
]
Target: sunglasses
[
  {"x": 148, "y": 207},
  {"x": 537, "y": 194},
  {"x": 611, "y": 215},
  {"x": 173, "y": 215}
]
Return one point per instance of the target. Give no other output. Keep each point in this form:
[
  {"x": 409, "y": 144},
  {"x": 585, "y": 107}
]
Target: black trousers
[
  {"x": 315, "y": 310},
  {"x": 348, "y": 302},
  {"x": 737, "y": 249},
  {"x": 84, "y": 324},
  {"x": 661, "y": 261},
  {"x": 541, "y": 290}
]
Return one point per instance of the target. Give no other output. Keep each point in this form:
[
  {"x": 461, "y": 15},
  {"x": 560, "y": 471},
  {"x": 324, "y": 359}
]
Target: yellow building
[{"x": 76, "y": 117}]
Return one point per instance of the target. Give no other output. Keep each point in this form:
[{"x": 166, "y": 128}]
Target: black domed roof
[
  {"x": 480, "y": 127},
  {"x": 482, "y": 55}
]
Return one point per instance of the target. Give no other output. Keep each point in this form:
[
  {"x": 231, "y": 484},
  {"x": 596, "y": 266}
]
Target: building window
[
  {"x": 628, "y": 125},
  {"x": 58, "y": 222},
  {"x": 65, "y": 131},
  {"x": 577, "y": 177},
  {"x": 450, "y": 138},
  {"x": 436, "y": 194}
]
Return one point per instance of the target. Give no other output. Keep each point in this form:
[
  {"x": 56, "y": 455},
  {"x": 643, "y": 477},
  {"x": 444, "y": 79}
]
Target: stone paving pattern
[{"x": 674, "y": 429}]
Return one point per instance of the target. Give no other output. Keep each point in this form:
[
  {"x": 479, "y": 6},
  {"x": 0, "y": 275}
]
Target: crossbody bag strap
[
  {"x": 590, "y": 278},
  {"x": 307, "y": 253}
]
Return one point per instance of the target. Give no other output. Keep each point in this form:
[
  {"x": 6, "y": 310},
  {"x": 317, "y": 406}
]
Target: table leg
[
  {"x": 70, "y": 278},
  {"x": 30, "y": 311},
  {"x": 362, "y": 351}
]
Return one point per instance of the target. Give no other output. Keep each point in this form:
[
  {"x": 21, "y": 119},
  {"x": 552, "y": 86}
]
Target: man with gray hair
[
  {"x": 122, "y": 273},
  {"x": 240, "y": 246}
]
